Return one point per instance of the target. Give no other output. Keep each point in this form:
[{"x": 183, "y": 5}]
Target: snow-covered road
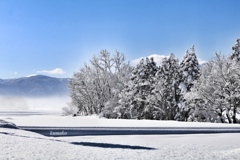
[{"x": 90, "y": 131}]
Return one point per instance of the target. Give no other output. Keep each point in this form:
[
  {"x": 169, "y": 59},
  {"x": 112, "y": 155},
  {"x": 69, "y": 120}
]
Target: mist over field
[
  {"x": 34, "y": 93},
  {"x": 54, "y": 103}
]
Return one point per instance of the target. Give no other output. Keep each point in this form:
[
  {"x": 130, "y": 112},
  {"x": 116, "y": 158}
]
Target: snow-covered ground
[
  {"x": 56, "y": 120},
  {"x": 19, "y": 144}
]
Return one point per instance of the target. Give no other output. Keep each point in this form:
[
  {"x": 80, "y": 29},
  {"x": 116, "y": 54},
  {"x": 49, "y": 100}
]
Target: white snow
[
  {"x": 183, "y": 87},
  {"x": 185, "y": 73},
  {"x": 18, "y": 144},
  {"x": 43, "y": 119}
]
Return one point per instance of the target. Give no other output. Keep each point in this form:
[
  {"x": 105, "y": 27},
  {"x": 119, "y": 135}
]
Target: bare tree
[{"x": 99, "y": 82}]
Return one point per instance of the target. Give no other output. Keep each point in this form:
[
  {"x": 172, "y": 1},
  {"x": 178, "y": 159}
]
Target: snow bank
[{"x": 5, "y": 124}]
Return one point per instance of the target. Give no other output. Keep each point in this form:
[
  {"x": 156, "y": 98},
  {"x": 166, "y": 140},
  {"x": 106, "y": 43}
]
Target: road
[{"x": 98, "y": 131}]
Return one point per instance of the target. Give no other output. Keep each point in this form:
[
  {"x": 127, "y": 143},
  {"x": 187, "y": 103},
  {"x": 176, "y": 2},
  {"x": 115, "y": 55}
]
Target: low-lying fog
[{"x": 56, "y": 104}]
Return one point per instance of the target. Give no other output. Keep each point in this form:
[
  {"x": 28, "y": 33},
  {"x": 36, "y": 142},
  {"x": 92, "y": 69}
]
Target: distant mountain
[{"x": 34, "y": 86}]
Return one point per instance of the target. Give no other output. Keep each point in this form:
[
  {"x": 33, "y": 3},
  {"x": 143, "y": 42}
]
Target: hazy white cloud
[
  {"x": 157, "y": 58},
  {"x": 31, "y": 75},
  {"x": 54, "y": 71},
  {"x": 200, "y": 61}
]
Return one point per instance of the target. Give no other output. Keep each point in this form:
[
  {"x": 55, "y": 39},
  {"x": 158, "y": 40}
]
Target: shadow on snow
[
  {"x": 88, "y": 144},
  {"x": 109, "y": 145}
]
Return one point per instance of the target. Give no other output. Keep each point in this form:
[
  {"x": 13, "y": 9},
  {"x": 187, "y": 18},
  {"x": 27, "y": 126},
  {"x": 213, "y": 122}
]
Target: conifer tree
[
  {"x": 166, "y": 89},
  {"x": 236, "y": 54},
  {"x": 189, "y": 72},
  {"x": 139, "y": 89}
]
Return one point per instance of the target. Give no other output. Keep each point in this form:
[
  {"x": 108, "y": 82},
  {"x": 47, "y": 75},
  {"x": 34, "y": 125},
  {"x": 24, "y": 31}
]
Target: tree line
[{"x": 185, "y": 91}]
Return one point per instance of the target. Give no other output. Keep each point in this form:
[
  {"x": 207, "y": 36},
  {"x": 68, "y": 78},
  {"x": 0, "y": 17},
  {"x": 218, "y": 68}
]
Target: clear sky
[{"x": 55, "y": 37}]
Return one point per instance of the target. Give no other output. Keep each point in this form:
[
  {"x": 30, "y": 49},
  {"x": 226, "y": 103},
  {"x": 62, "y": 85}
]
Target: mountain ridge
[{"x": 34, "y": 86}]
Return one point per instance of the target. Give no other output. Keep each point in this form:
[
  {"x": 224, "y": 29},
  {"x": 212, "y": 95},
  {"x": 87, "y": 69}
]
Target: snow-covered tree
[
  {"x": 236, "y": 54},
  {"x": 232, "y": 88},
  {"x": 122, "y": 74},
  {"x": 189, "y": 72},
  {"x": 218, "y": 87},
  {"x": 99, "y": 82},
  {"x": 135, "y": 96},
  {"x": 209, "y": 87},
  {"x": 167, "y": 92}
]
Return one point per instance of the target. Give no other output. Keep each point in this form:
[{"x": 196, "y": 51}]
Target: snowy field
[
  {"x": 19, "y": 144},
  {"x": 54, "y": 119}
]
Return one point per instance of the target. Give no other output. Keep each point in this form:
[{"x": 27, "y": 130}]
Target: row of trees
[
  {"x": 185, "y": 91},
  {"x": 157, "y": 92}
]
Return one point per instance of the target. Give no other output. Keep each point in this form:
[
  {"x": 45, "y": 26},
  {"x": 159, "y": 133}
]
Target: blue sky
[{"x": 55, "y": 37}]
